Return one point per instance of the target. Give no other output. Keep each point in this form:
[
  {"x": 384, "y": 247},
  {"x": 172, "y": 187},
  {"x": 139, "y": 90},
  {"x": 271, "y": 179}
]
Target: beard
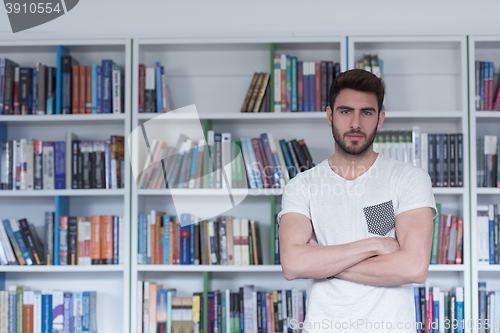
[{"x": 356, "y": 148}]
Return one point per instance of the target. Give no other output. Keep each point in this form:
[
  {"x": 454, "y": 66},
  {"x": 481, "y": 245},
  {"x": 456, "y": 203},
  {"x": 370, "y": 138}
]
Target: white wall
[{"x": 196, "y": 17}]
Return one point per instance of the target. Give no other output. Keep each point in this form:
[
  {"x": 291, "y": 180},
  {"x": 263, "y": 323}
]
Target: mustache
[{"x": 355, "y": 132}]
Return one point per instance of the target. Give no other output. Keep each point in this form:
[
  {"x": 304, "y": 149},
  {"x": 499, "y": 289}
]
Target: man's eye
[
  {"x": 345, "y": 111},
  {"x": 368, "y": 113}
]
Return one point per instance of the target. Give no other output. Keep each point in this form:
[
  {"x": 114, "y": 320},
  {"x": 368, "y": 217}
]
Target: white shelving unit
[
  {"x": 422, "y": 73},
  {"x": 215, "y": 74},
  {"x": 481, "y": 48},
  {"x": 110, "y": 281}
]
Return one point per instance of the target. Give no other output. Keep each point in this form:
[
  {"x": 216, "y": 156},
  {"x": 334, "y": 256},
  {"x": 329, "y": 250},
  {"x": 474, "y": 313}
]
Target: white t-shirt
[{"x": 343, "y": 211}]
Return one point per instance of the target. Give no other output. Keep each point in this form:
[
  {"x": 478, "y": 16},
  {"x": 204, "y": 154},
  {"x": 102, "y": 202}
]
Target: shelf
[
  {"x": 488, "y": 190},
  {"x": 488, "y": 268},
  {"x": 208, "y": 268},
  {"x": 448, "y": 190},
  {"x": 446, "y": 268},
  {"x": 299, "y": 115},
  {"x": 61, "y": 269},
  {"x": 255, "y": 268},
  {"x": 487, "y": 114},
  {"x": 211, "y": 192},
  {"x": 60, "y": 118},
  {"x": 69, "y": 193}
]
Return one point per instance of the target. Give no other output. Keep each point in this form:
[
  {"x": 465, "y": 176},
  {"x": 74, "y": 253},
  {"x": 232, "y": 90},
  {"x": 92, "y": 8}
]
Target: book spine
[
  {"x": 460, "y": 160},
  {"x": 30, "y": 240},
  {"x": 277, "y": 83},
  {"x": 68, "y": 313},
  {"x": 141, "y": 78},
  {"x": 88, "y": 89},
  {"x": 95, "y": 241},
  {"x": 72, "y": 241},
  {"x": 294, "y": 84},
  {"x": 107, "y": 68},
  {"x": 317, "y": 86},
  {"x": 117, "y": 98},
  {"x": 107, "y": 239}
]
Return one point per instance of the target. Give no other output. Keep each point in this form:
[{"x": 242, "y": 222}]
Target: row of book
[
  {"x": 302, "y": 85},
  {"x": 257, "y": 98},
  {"x": 167, "y": 240},
  {"x": 84, "y": 89},
  {"x": 489, "y": 309},
  {"x": 154, "y": 90},
  {"x": 73, "y": 240},
  {"x": 55, "y": 311},
  {"x": 441, "y": 155},
  {"x": 247, "y": 310},
  {"x": 439, "y": 311},
  {"x": 371, "y": 63},
  {"x": 488, "y": 171},
  {"x": 264, "y": 162},
  {"x": 487, "y": 234},
  {"x": 447, "y": 239},
  {"x": 29, "y": 164},
  {"x": 484, "y": 87}
]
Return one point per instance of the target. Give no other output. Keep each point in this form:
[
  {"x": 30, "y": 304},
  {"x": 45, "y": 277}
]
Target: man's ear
[
  {"x": 381, "y": 119},
  {"x": 329, "y": 115}
]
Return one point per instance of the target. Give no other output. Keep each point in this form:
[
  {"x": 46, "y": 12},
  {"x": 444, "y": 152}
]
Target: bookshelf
[
  {"x": 481, "y": 48},
  {"x": 215, "y": 74},
  {"x": 110, "y": 281},
  {"x": 426, "y": 85}
]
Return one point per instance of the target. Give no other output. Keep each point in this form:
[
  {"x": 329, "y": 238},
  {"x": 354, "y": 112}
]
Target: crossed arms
[{"x": 374, "y": 261}]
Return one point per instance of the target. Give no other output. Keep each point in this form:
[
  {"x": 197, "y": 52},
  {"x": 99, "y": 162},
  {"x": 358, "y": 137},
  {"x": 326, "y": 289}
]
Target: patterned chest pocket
[{"x": 380, "y": 218}]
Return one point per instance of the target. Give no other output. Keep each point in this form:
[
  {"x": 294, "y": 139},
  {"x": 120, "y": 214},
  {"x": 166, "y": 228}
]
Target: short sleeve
[
  {"x": 415, "y": 191},
  {"x": 296, "y": 198}
]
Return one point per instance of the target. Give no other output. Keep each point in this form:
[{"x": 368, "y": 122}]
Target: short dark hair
[{"x": 359, "y": 80}]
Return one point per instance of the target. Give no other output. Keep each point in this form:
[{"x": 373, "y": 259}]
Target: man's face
[{"x": 355, "y": 121}]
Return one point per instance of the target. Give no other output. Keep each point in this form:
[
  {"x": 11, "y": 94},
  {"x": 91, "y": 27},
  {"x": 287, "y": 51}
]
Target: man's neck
[{"x": 350, "y": 166}]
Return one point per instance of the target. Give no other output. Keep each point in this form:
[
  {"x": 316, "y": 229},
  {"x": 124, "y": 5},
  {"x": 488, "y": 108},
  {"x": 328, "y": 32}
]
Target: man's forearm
[
  {"x": 384, "y": 270},
  {"x": 318, "y": 262}
]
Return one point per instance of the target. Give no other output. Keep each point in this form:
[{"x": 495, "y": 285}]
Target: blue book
[
  {"x": 46, "y": 312},
  {"x": 116, "y": 237},
  {"x": 34, "y": 91},
  {"x": 435, "y": 310},
  {"x": 159, "y": 91},
  {"x": 264, "y": 311},
  {"x": 86, "y": 311},
  {"x": 61, "y": 209},
  {"x": 94, "y": 88},
  {"x": 59, "y": 165},
  {"x": 223, "y": 311},
  {"x": 305, "y": 84},
  {"x": 107, "y": 95},
  {"x": 276, "y": 241},
  {"x": 20, "y": 241},
  {"x": 491, "y": 231},
  {"x": 185, "y": 158},
  {"x": 191, "y": 241},
  {"x": 288, "y": 159},
  {"x": 460, "y": 307},
  {"x": 12, "y": 308},
  {"x": 166, "y": 239},
  {"x": 192, "y": 174},
  {"x": 61, "y": 51},
  {"x": 288, "y": 83},
  {"x": 418, "y": 319},
  {"x": 143, "y": 226},
  {"x": 252, "y": 181},
  {"x": 294, "y": 84},
  {"x": 68, "y": 313},
  {"x": 185, "y": 243},
  {"x": 253, "y": 161},
  {"x": 77, "y": 312},
  {"x": 99, "y": 89},
  {"x": 312, "y": 87}
]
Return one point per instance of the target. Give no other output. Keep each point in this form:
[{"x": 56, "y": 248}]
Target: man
[{"x": 372, "y": 218}]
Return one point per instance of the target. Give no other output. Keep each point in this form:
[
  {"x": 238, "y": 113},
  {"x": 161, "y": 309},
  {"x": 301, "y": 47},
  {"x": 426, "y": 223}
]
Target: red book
[
  {"x": 88, "y": 89},
  {"x": 429, "y": 316},
  {"x": 107, "y": 239},
  {"x": 317, "y": 77},
  {"x": 177, "y": 244},
  {"x": 75, "y": 91},
  {"x": 261, "y": 164},
  {"x": 300, "y": 86},
  {"x": 141, "y": 87},
  {"x": 283, "y": 83},
  {"x": 496, "y": 104},
  {"x": 442, "y": 229},
  {"x": 82, "y": 97},
  {"x": 460, "y": 232},
  {"x": 454, "y": 226},
  {"x": 16, "y": 91},
  {"x": 447, "y": 238}
]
